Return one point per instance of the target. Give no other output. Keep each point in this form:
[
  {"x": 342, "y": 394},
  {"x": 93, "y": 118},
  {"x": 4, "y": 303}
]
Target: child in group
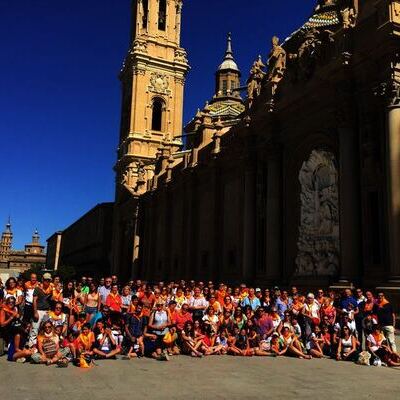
[
  {"x": 240, "y": 345},
  {"x": 255, "y": 343},
  {"x": 85, "y": 341},
  {"x": 170, "y": 339},
  {"x": 105, "y": 345},
  {"x": 77, "y": 326},
  {"x": 70, "y": 342},
  {"x": 222, "y": 340},
  {"x": 314, "y": 343}
]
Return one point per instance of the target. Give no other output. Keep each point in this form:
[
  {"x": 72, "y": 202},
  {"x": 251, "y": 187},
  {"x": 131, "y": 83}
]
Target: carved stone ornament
[
  {"x": 389, "y": 91},
  {"x": 159, "y": 83},
  {"x": 138, "y": 71},
  {"x": 139, "y": 46},
  {"x": 319, "y": 244},
  {"x": 181, "y": 56}
]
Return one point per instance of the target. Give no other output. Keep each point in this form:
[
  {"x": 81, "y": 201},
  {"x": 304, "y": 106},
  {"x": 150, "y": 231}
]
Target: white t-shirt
[{"x": 17, "y": 294}]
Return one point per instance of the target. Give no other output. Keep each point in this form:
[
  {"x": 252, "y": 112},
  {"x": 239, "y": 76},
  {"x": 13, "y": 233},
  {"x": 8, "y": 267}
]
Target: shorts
[{"x": 90, "y": 310}]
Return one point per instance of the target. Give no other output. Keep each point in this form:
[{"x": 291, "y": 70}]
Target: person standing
[
  {"x": 41, "y": 305},
  {"x": 386, "y": 319},
  {"x": 29, "y": 289},
  {"x": 105, "y": 290}
]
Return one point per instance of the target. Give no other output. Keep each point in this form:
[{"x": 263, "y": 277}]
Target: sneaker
[{"x": 21, "y": 360}]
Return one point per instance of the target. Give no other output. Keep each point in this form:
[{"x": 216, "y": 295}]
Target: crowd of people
[{"x": 54, "y": 322}]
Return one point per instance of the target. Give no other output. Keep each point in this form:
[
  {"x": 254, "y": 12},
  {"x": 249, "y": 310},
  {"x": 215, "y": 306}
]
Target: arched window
[
  {"x": 157, "y": 117},
  {"x": 162, "y": 15}
]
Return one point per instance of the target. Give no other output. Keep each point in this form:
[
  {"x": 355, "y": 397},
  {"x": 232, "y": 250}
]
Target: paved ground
[{"x": 221, "y": 377}]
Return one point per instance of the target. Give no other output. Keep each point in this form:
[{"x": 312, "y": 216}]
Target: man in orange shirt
[{"x": 114, "y": 301}]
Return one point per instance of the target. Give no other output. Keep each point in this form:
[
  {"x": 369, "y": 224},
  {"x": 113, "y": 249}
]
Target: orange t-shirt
[{"x": 114, "y": 301}]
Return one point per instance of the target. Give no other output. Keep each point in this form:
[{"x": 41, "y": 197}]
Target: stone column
[
  {"x": 249, "y": 223},
  {"x": 249, "y": 207},
  {"x": 349, "y": 202},
  {"x": 273, "y": 217},
  {"x": 393, "y": 180}
]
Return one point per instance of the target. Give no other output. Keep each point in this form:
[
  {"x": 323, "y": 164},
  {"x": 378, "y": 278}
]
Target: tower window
[
  {"x": 162, "y": 15},
  {"x": 224, "y": 87},
  {"x": 145, "y": 13},
  {"x": 157, "y": 117}
]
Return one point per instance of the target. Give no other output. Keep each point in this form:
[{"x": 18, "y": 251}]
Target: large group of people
[{"x": 51, "y": 322}]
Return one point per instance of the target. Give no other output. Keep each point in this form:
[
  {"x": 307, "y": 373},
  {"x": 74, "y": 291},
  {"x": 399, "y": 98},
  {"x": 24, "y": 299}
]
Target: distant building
[
  {"x": 85, "y": 245},
  {"x": 13, "y": 262}
]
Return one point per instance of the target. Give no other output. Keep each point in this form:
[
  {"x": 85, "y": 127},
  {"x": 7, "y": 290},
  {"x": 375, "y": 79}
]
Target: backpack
[{"x": 364, "y": 358}]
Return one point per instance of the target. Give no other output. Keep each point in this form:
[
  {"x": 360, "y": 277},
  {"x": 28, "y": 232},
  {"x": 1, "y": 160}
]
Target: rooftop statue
[
  {"x": 276, "y": 64},
  {"x": 254, "y": 81}
]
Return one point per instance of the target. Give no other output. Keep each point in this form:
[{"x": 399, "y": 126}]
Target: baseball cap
[{"x": 47, "y": 276}]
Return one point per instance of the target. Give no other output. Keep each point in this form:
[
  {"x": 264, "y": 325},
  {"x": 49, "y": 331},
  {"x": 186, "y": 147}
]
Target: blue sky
[{"x": 60, "y": 96}]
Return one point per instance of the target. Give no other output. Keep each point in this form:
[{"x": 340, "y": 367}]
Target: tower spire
[{"x": 229, "y": 62}]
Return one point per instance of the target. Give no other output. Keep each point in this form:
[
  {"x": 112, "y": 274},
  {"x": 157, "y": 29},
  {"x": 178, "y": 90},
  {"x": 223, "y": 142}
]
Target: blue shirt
[
  {"x": 254, "y": 303},
  {"x": 282, "y": 306},
  {"x": 348, "y": 300}
]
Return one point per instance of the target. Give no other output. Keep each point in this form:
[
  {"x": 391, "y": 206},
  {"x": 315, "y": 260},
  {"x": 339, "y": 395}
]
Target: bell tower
[
  {"x": 152, "y": 78},
  {"x": 6, "y": 243}
]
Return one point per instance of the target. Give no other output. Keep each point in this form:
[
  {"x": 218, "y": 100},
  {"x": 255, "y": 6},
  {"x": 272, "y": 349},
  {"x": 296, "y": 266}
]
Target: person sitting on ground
[
  {"x": 222, "y": 340},
  {"x": 18, "y": 350},
  {"x": 315, "y": 342},
  {"x": 48, "y": 346},
  {"x": 379, "y": 348},
  {"x": 292, "y": 343},
  {"x": 170, "y": 341},
  {"x": 347, "y": 346},
  {"x": 105, "y": 346},
  {"x": 70, "y": 342},
  {"x": 240, "y": 346},
  {"x": 326, "y": 346},
  {"x": 256, "y": 344},
  {"x": 190, "y": 345},
  {"x": 85, "y": 341}
]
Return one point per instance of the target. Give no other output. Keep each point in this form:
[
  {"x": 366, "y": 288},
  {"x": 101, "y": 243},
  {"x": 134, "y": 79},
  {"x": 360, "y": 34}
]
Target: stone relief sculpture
[
  {"x": 254, "y": 81},
  {"x": 276, "y": 64},
  {"x": 318, "y": 244},
  {"x": 159, "y": 83}
]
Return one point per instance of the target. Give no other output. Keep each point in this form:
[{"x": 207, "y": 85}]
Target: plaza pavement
[{"x": 218, "y": 377}]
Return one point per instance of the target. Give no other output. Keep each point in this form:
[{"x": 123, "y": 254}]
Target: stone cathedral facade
[{"x": 288, "y": 175}]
